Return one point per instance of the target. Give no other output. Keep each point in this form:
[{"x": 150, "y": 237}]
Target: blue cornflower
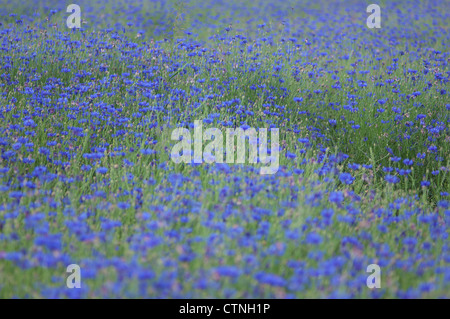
[
  {"x": 303, "y": 140},
  {"x": 290, "y": 155},
  {"x": 408, "y": 162},
  {"x": 270, "y": 279},
  {"x": 228, "y": 271},
  {"x": 392, "y": 179},
  {"x": 147, "y": 151},
  {"x": 102, "y": 170},
  {"x": 425, "y": 183},
  {"x": 336, "y": 197},
  {"x": 346, "y": 178},
  {"x": 313, "y": 239},
  {"x": 443, "y": 204}
]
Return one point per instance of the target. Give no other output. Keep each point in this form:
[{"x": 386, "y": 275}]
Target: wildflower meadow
[{"x": 224, "y": 149}]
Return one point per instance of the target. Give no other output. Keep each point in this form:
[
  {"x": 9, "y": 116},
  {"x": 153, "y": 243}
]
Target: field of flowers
[{"x": 86, "y": 176}]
